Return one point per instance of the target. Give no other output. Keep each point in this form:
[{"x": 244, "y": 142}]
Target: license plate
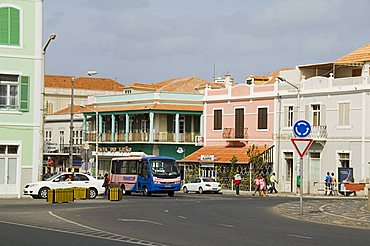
[{"x": 167, "y": 186}]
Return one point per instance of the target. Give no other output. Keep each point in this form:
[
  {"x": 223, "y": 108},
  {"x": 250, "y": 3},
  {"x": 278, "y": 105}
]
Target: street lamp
[
  {"x": 90, "y": 73},
  {"x": 300, "y": 159},
  {"x": 51, "y": 37},
  {"x": 96, "y": 138}
]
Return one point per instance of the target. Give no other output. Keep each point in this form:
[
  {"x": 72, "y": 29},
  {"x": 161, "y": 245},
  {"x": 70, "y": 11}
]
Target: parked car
[
  {"x": 65, "y": 180},
  {"x": 202, "y": 184}
]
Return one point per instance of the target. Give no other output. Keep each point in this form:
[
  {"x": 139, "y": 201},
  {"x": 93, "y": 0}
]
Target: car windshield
[
  {"x": 164, "y": 168},
  {"x": 207, "y": 180},
  {"x": 52, "y": 177}
]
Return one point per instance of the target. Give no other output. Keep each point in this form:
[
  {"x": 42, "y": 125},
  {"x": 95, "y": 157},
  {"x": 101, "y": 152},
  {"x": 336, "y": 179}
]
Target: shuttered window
[
  {"x": 24, "y": 94},
  {"x": 343, "y": 113},
  {"x": 9, "y": 26},
  {"x": 262, "y": 118},
  {"x": 217, "y": 119}
]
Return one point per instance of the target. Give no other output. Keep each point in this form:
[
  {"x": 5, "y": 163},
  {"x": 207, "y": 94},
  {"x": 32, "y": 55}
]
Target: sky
[{"x": 148, "y": 41}]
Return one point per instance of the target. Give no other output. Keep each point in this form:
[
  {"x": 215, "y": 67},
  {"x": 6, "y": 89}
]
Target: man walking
[
  {"x": 327, "y": 183},
  {"x": 237, "y": 181},
  {"x": 273, "y": 181}
]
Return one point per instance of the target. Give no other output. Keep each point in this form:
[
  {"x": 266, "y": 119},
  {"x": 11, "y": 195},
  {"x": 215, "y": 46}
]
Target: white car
[
  {"x": 202, "y": 185},
  {"x": 65, "y": 180}
]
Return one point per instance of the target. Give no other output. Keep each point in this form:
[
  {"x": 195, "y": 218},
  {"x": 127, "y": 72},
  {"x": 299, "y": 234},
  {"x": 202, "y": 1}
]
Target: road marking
[
  {"x": 225, "y": 225},
  {"x": 144, "y": 221},
  {"x": 181, "y": 217},
  {"x": 337, "y": 215},
  {"x": 299, "y": 236},
  {"x": 103, "y": 234}
]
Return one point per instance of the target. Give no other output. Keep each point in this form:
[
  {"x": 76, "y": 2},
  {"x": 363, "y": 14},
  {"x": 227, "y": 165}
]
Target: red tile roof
[
  {"x": 360, "y": 55},
  {"x": 103, "y": 84},
  {"x": 183, "y": 85},
  {"x": 222, "y": 154}
]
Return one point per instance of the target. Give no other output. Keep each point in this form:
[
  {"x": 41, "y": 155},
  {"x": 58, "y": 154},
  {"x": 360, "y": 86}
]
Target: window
[
  {"x": 77, "y": 137},
  {"x": 343, "y": 113},
  {"x": 262, "y": 118},
  {"x": 128, "y": 91},
  {"x": 289, "y": 119},
  {"x": 48, "y": 136},
  {"x": 49, "y": 108},
  {"x": 217, "y": 119},
  {"x": 61, "y": 137},
  {"x": 344, "y": 159},
  {"x": 9, "y": 26},
  {"x": 10, "y": 89},
  {"x": 316, "y": 114}
]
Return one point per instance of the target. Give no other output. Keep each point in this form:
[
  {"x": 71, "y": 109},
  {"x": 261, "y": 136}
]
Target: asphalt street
[{"x": 186, "y": 219}]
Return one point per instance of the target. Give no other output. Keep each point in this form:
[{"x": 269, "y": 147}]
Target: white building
[{"x": 334, "y": 98}]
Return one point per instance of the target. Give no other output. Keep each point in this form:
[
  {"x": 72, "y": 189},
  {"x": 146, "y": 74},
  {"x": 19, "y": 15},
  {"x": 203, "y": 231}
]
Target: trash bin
[{"x": 115, "y": 194}]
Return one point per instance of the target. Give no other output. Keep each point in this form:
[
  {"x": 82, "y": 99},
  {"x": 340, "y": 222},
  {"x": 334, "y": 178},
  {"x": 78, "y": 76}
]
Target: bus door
[{"x": 143, "y": 175}]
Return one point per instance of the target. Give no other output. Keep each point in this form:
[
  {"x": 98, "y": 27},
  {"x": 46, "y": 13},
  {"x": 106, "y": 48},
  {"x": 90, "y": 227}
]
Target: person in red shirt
[{"x": 237, "y": 181}]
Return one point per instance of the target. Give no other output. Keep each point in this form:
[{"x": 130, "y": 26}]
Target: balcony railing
[
  {"x": 50, "y": 147},
  {"x": 318, "y": 132},
  {"x": 229, "y": 133}
]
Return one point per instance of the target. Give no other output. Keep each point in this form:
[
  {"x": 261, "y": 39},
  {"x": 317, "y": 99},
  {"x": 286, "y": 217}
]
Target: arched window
[{"x": 9, "y": 26}]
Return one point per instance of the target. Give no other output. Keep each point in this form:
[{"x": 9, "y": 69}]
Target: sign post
[{"x": 301, "y": 129}]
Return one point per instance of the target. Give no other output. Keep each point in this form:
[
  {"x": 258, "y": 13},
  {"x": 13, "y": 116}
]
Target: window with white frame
[
  {"x": 10, "y": 26},
  {"x": 61, "y": 137},
  {"x": 8, "y": 91},
  {"x": 262, "y": 119},
  {"x": 77, "y": 137},
  {"x": 315, "y": 167},
  {"x": 344, "y": 159},
  {"x": 288, "y": 116},
  {"x": 48, "y": 135},
  {"x": 343, "y": 114},
  {"x": 316, "y": 114}
]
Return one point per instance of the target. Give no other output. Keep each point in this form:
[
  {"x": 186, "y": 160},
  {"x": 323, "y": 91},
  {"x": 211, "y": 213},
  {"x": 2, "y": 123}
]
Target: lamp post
[
  {"x": 300, "y": 159},
  {"x": 51, "y": 37},
  {"x": 90, "y": 73},
  {"x": 96, "y": 138}
]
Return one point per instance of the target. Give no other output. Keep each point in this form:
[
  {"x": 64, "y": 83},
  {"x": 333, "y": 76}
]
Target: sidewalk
[{"x": 339, "y": 210}]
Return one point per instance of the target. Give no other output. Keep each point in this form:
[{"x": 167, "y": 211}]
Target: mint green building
[{"x": 20, "y": 94}]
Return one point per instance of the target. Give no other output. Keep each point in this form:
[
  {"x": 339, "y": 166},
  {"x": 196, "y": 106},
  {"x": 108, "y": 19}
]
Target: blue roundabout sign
[{"x": 302, "y": 128}]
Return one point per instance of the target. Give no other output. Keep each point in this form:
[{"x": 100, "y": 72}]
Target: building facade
[
  {"x": 20, "y": 94},
  {"x": 335, "y": 99}
]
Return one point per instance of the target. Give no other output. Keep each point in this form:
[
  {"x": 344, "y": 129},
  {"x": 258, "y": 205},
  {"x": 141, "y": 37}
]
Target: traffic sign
[
  {"x": 302, "y": 128},
  {"x": 302, "y": 145}
]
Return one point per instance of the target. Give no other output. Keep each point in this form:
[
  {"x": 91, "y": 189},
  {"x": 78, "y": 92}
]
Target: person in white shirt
[{"x": 273, "y": 181}]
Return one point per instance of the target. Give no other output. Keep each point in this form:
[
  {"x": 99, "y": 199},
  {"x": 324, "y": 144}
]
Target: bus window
[
  {"x": 164, "y": 168},
  {"x": 144, "y": 169},
  {"x": 124, "y": 167}
]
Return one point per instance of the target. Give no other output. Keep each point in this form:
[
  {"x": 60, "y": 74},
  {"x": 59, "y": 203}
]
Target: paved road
[{"x": 182, "y": 220}]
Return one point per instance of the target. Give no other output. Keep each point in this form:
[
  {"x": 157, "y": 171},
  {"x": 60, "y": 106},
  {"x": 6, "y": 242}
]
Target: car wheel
[
  {"x": 171, "y": 193},
  {"x": 146, "y": 192},
  {"x": 43, "y": 192},
  {"x": 200, "y": 190},
  {"x": 185, "y": 190},
  {"x": 93, "y": 193}
]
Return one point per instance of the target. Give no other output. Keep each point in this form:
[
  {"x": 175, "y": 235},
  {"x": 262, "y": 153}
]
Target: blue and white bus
[{"x": 145, "y": 173}]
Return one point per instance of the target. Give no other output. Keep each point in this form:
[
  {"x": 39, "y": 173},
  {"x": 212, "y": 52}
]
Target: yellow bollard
[{"x": 115, "y": 194}]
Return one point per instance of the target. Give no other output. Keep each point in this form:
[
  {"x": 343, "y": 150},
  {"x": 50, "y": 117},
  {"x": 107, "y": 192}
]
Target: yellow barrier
[
  {"x": 60, "y": 195},
  {"x": 81, "y": 193},
  {"x": 115, "y": 194}
]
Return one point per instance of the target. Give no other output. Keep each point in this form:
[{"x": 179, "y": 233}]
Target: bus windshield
[{"x": 164, "y": 168}]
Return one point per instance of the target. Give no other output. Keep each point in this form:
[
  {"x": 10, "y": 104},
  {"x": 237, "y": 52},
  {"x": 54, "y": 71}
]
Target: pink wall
[{"x": 250, "y": 103}]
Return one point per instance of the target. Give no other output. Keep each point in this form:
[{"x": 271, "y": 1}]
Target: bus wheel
[
  {"x": 146, "y": 192},
  {"x": 171, "y": 193}
]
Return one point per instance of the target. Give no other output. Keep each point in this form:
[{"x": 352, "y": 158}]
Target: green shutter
[
  {"x": 14, "y": 26},
  {"x": 4, "y": 25},
  {"x": 24, "y": 94}
]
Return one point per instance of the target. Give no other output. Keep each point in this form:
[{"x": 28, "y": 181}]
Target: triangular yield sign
[{"x": 302, "y": 145}]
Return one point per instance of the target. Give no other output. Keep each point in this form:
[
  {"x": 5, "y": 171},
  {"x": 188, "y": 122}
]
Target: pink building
[{"x": 234, "y": 118}]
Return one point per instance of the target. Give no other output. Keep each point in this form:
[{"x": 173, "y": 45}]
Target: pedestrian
[
  {"x": 333, "y": 182},
  {"x": 274, "y": 182},
  {"x": 237, "y": 181},
  {"x": 106, "y": 184},
  {"x": 256, "y": 185},
  {"x": 263, "y": 186},
  {"x": 327, "y": 183},
  {"x": 47, "y": 174}
]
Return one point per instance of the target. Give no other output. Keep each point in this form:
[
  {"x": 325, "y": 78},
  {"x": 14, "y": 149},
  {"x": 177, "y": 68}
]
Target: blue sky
[{"x": 149, "y": 41}]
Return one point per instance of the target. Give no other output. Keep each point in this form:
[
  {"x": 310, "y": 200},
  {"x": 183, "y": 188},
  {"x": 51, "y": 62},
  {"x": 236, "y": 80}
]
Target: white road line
[
  {"x": 144, "y": 221},
  {"x": 299, "y": 236},
  {"x": 181, "y": 217},
  {"x": 225, "y": 225}
]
